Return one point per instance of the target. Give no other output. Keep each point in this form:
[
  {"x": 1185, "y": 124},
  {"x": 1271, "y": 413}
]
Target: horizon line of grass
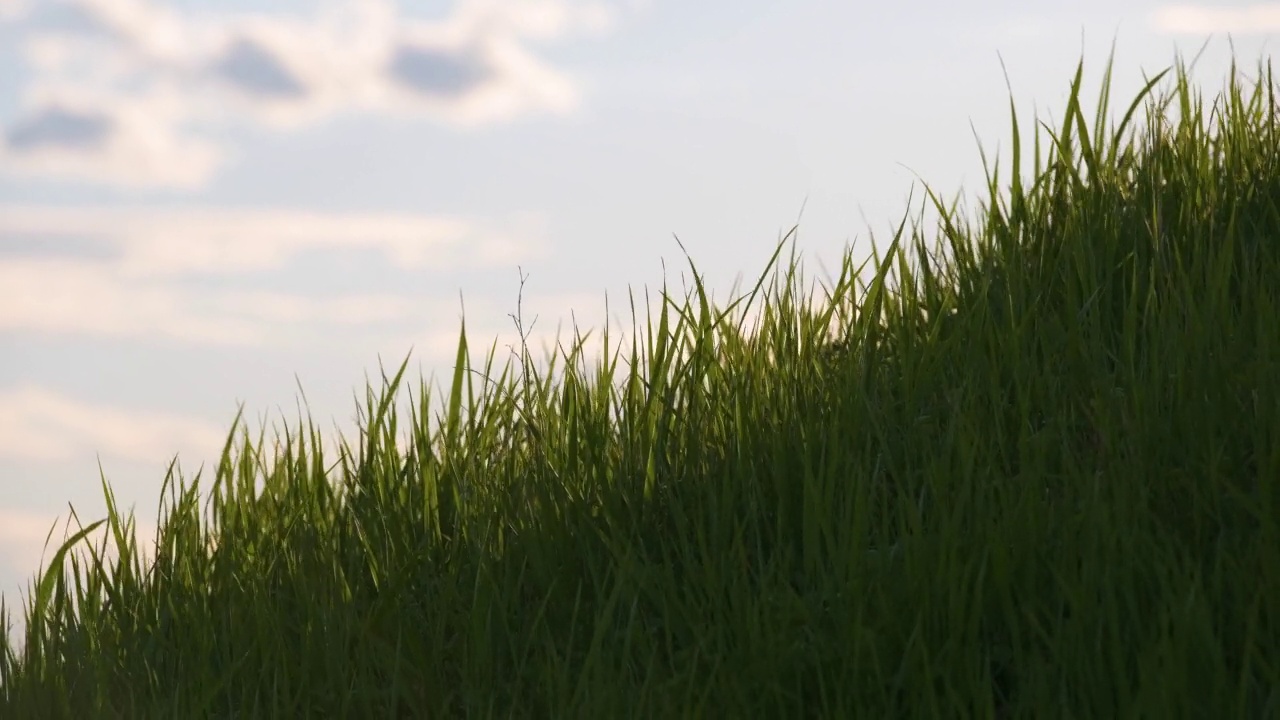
[{"x": 1036, "y": 477}]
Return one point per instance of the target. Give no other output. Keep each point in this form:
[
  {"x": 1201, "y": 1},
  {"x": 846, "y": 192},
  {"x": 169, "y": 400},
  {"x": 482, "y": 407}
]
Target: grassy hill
[{"x": 1034, "y": 475}]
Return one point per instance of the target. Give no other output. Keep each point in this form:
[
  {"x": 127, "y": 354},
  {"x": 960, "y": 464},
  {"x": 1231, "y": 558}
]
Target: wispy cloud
[
  {"x": 131, "y": 91},
  {"x": 120, "y": 272},
  {"x": 70, "y": 133},
  {"x": 43, "y": 425},
  {"x": 12, "y": 9},
  {"x": 79, "y": 298},
  {"x": 157, "y": 242},
  {"x": 1207, "y": 20}
]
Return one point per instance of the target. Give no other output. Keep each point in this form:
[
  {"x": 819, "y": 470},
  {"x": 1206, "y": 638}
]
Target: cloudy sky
[{"x": 207, "y": 203}]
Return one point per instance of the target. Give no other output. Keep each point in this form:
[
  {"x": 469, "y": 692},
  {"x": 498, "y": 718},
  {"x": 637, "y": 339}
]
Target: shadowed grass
[{"x": 1032, "y": 476}]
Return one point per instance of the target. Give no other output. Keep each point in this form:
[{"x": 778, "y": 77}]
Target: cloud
[
  {"x": 135, "y": 144},
  {"x": 43, "y": 425},
  {"x": 129, "y": 91},
  {"x": 12, "y": 9},
  {"x": 254, "y": 68},
  {"x": 157, "y": 242},
  {"x": 1206, "y": 20},
  {"x": 121, "y": 272},
  {"x": 69, "y": 297},
  {"x": 432, "y": 72},
  {"x": 146, "y": 27},
  {"x": 55, "y": 126}
]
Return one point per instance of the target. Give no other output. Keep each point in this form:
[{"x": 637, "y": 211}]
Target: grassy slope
[{"x": 1036, "y": 477}]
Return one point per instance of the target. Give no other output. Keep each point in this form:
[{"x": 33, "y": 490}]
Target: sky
[{"x": 207, "y": 205}]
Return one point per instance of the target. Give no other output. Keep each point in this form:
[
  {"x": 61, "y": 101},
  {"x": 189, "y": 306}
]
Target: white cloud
[
  {"x": 12, "y": 9},
  {"x": 132, "y": 285},
  {"x": 542, "y": 19},
  {"x": 496, "y": 80},
  {"x": 75, "y": 297},
  {"x": 42, "y": 425},
  {"x": 145, "y": 78},
  {"x": 160, "y": 242},
  {"x": 347, "y": 310},
  {"x": 148, "y": 27},
  {"x": 138, "y": 143},
  {"x": 1207, "y": 20}
]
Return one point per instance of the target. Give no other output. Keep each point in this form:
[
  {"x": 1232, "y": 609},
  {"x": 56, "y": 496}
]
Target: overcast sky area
[{"x": 204, "y": 204}]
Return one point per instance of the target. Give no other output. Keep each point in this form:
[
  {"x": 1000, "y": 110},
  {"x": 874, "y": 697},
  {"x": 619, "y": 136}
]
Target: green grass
[{"x": 1036, "y": 476}]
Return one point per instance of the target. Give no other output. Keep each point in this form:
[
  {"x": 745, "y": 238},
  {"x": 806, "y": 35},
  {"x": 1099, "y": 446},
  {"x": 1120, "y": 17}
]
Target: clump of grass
[{"x": 1036, "y": 478}]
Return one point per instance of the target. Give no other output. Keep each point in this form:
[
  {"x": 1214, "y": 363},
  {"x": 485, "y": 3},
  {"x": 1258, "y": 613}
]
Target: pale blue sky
[{"x": 199, "y": 200}]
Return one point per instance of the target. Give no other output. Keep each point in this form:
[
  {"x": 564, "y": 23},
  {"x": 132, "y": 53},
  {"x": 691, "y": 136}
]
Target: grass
[{"x": 1033, "y": 475}]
